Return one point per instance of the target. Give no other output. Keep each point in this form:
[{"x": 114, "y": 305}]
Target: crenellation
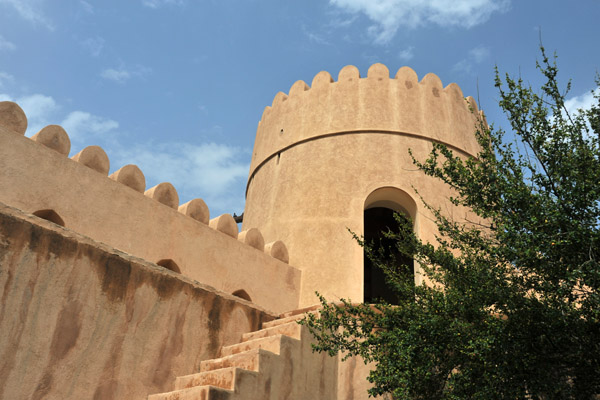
[
  {"x": 279, "y": 98},
  {"x": 196, "y": 209},
  {"x": 298, "y": 88},
  {"x": 348, "y": 74},
  {"x": 321, "y": 79},
  {"x": 226, "y": 224},
  {"x": 378, "y": 71},
  {"x": 278, "y": 250},
  {"x": 252, "y": 237},
  {"x": 55, "y": 138},
  {"x": 131, "y": 176},
  {"x": 93, "y": 157},
  {"x": 164, "y": 193},
  {"x": 13, "y": 117}
]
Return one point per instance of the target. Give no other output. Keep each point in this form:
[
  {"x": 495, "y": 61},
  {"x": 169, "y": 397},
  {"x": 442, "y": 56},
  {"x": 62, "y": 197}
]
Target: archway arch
[
  {"x": 50, "y": 215},
  {"x": 169, "y": 264},
  {"x": 379, "y": 210},
  {"x": 242, "y": 294}
]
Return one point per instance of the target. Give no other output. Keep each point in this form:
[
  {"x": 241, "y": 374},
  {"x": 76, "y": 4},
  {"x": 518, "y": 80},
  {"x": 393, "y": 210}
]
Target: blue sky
[{"x": 178, "y": 86}]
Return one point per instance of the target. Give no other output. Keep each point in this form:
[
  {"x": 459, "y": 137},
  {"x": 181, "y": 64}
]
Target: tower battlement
[{"x": 375, "y": 103}]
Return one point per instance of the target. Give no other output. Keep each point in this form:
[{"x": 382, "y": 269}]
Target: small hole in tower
[
  {"x": 242, "y": 294},
  {"x": 281, "y": 131},
  {"x": 50, "y": 215},
  {"x": 169, "y": 264}
]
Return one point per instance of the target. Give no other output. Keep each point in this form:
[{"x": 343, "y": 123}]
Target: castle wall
[
  {"x": 80, "y": 320},
  {"x": 151, "y": 226},
  {"x": 321, "y": 151}
]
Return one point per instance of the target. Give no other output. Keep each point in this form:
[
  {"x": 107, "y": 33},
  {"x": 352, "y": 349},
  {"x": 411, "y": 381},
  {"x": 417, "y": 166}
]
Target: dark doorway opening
[{"x": 379, "y": 220}]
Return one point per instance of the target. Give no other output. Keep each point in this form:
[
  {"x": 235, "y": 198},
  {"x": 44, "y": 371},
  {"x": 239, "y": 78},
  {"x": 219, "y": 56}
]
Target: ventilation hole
[
  {"x": 50, "y": 215},
  {"x": 242, "y": 294},
  {"x": 169, "y": 264},
  {"x": 281, "y": 131}
]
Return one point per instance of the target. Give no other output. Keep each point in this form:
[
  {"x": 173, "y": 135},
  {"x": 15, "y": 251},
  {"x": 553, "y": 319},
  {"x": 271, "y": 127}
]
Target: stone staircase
[{"x": 274, "y": 363}]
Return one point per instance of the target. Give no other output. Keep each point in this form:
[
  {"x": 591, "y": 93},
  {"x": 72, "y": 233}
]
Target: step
[
  {"x": 195, "y": 393},
  {"x": 269, "y": 343},
  {"x": 291, "y": 329},
  {"x": 223, "y": 378},
  {"x": 301, "y": 311},
  {"x": 248, "y": 360}
]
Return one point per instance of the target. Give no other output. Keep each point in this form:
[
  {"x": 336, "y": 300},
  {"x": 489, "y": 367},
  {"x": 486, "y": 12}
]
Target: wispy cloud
[
  {"x": 123, "y": 74},
  {"x": 406, "y": 54},
  {"x": 160, "y": 3},
  {"x": 476, "y": 55},
  {"x": 93, "y": 45},
  {"x": 29, "y": 10},
  {"x": 81, "y": 124},
  {"x": 5, "y": 77},
  {"x": 389, "y": 15},
  {"x": 6, "y": 45},
  {"x": 87, "y": 7}
]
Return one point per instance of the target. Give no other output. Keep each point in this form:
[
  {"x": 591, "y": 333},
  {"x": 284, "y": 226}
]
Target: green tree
[{"x": 513, "y": 308}]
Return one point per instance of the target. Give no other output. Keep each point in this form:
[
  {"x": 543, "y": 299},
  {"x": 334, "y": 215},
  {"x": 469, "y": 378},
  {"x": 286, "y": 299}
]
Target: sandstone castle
[{"x": 110, "y": 290}]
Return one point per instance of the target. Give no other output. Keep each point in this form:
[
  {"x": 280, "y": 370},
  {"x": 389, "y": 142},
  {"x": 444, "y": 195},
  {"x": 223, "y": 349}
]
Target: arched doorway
[{"x": 380, "y": 207}]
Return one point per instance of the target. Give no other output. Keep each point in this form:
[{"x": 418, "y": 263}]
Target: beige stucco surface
[
  {"x": 320, "y": 154},
  {"x": 80, "y": 320},
  {"x": 34, "y": 177}
]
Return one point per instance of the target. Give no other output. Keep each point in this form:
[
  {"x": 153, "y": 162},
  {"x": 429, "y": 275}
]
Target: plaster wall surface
[
  {"x": 80, "y": 320},
  {"x": 34, "y": 177},
  {"x": 321, "y": 151}
]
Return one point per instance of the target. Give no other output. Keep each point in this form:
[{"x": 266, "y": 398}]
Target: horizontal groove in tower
[{"x": 402, "y": 104}]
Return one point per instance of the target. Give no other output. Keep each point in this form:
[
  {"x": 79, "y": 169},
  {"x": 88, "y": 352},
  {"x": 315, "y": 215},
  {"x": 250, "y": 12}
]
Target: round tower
[{"x": 325, "y": 155}]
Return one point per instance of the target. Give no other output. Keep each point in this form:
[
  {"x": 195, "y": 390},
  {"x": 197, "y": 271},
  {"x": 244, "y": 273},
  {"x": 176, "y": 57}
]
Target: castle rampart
[
  {"x": 38, "y": 178},
  {"x": 80, "y": 320}
]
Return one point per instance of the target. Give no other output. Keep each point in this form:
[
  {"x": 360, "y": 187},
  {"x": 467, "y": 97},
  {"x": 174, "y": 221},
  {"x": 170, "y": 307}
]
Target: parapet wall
[
  {"x": 352, "y": 104},
  {"x": 80, "y": 320},
  {"x": 37, "y": 177}
]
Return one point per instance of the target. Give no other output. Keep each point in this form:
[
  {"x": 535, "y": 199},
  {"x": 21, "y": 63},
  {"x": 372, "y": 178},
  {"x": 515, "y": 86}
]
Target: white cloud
[
  {"x": 406, "y": 54},
  {"x": 479, "y": 54},
  {"x": 29, "y": 10},
  {"x": 584, "y": 101},
  {"x": 123, "y": 74},
  {"x": 81, "y": 124},
  {"x": 94, "y": 45},
  {"x": 389, "y": 15},
  {"x": 160, "y": 3},
  {"x": 475, "y": 56},
  {"x": 38, "y": 107},
  {"x": 211, "y": 171},
  {"x": 6, "y": 45},
  {"x": 116, "y": 75}
]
